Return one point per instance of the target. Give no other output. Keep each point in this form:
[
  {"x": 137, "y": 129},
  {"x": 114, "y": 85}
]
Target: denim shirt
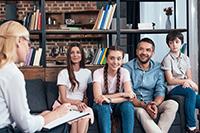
[{"x": 146, "y": 84}]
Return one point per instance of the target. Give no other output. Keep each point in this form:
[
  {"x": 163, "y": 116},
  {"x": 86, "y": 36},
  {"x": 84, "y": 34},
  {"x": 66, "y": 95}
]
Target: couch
[{"x": 41, "y": 96}]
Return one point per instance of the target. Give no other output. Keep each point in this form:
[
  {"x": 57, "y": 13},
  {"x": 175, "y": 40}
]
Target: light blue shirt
[{"x": 146, "y": 84}]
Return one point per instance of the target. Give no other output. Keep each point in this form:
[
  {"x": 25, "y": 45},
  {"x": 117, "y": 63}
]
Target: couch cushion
[
  {"x": 89, "y": 94},
  {"x": 52, "y": 93},
  {"x": 36, "y": 95}
]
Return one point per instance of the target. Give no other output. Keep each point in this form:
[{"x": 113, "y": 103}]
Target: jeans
[
  {"x": 191, "y": 102},
  {"x": 124, "y": 110}
]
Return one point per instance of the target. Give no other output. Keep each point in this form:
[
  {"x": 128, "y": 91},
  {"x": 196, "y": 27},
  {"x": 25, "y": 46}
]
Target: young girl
[
  {"x": 14, "y": 46},
  {"x": 179, "y": 78},
  {"x": 112, "y": 90},
  {"x": 72, "y": 83}
]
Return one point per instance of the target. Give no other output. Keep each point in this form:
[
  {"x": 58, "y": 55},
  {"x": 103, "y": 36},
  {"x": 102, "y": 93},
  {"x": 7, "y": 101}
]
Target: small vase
[{"x": 168, "y": 24}]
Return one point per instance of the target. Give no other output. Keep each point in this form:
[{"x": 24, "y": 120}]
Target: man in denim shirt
[{"x": 149, "y": 86}]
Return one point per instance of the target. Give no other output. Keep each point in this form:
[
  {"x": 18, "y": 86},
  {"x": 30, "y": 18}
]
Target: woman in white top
[
  {"x": 72, "y": 83},
  {"x": 14, "y": 46},
  {"x": 112, "y": 91}
]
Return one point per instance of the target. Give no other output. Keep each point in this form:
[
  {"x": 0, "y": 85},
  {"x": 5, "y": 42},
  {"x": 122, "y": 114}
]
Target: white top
[
  {"x": 98, "y": 76},
  {"x": 83, "y": 76},
  {"x": 13, "y": 101}
]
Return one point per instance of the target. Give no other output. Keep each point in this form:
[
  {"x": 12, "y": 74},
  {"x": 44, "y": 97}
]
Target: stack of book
[
  {"x": 105, "y": 17},
  {"x": 100, "y": 57},
  {"x": 33, "y": 20},
  {"x": 34, "y": 57}
]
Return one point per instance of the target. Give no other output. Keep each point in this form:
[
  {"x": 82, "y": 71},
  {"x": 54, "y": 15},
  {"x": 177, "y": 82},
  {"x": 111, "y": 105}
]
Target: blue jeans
[
  {"x": 124, "y": 110},
  {"x": 191, "y": 102}
]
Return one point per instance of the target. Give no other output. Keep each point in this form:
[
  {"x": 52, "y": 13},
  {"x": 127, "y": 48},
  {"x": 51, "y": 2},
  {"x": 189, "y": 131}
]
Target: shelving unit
[{"x": 132, "y": 34}]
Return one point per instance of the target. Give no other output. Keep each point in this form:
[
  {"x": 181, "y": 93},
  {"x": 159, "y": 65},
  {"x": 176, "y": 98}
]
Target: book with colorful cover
[
  {"x": 104, "y": 56},
  {"x": 107, "y": 16},
  {"x": 111, "y": 16},
  {"x": 95, "y": 27},
  {"x": 100, "y": 56}
]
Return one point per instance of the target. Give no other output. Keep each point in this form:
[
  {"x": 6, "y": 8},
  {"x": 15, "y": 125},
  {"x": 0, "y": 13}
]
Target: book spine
[{"x": 104, "y": 17}]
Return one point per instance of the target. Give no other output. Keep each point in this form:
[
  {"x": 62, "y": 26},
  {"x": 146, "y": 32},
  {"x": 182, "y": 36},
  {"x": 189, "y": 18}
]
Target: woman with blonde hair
[{"x": 14, "y": 47}]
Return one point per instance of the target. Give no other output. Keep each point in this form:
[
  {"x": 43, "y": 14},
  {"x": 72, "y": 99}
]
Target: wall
[
  {"x": 193, "y": 38},
  {"x": 51, "y": 6},
  {"x": 23, "y": 7}
]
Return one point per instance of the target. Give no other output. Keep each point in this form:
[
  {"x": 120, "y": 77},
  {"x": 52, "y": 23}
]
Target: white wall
[{"x": 153, "y": 12}]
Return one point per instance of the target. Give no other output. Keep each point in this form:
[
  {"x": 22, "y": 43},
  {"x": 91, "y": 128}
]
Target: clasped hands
[
  {"x": 190, "y": 84},
  {"x": 152, "y": 109}
]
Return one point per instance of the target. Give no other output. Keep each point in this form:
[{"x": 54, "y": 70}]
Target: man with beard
[{"x": 149, "y": 85}]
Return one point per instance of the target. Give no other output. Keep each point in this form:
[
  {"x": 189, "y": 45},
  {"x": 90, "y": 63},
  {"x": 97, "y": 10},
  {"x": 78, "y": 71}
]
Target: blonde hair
[{"x": 9, "y": 35}]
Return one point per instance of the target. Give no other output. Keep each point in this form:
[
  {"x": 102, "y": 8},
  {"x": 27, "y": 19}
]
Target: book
[
  {"x": 95, "y": 27},
  {"x": 32, "y": 23},
  {"x": 104, "y": 56},
  {"x": 100, "y": 57},
  {"x": 39, "y": 26},
  {"x": 111, "y": 16},
  {"x": 100, "y": 20},
  {"x": 104, "y": 16},
  {"x": 28, "y": 59},
  {"x": 70, "y": 116},
  {"x": 32, "y": 56},
  {"x": 97, "y": 56},
  {"x": 37, "y": 58},
  {"x": 107, "y": 17},
  {"x": 36, "y": 19}
]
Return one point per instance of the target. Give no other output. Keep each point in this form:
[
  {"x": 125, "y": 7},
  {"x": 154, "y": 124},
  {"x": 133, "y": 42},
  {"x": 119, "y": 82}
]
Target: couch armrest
[{"x": 180, "y": 100}]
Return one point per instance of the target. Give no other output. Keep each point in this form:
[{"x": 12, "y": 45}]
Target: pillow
[{"x": 36, "y": 95}]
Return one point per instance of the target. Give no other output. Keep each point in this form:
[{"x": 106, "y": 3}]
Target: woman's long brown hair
[
  {"x": 70, "y": 69},
  {"x": 112, "y": 48}
]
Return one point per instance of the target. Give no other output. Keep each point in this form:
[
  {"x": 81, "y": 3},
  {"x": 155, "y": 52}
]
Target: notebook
[{"x": 72, "y": 115}]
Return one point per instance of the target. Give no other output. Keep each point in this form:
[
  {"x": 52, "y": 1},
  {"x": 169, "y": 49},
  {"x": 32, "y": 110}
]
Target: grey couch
[{"x": 41, "y": 96}]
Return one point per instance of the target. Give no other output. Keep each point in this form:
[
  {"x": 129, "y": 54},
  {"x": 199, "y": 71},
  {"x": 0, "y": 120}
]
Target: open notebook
[{"x": 72, "y": 115}]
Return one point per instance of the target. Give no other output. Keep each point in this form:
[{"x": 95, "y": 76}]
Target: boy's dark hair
[
  {"x": 148, "y": 40},
  {"x": 172, "y": 35}
]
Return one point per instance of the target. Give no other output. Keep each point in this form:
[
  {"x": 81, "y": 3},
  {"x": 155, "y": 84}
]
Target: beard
[{"x": 144, "y": 61}]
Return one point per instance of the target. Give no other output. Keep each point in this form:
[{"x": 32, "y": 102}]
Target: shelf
[
  {"x": 81, "y": 32},
  {"x": 150, "y": 31},
  {"x": 148, "y": 0},
  {"x": 69, "y": 37},
  {"x": 122, "y": 31},
  {"x": 35, "y": 32},
  {"x": 124, "y": 0}
]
